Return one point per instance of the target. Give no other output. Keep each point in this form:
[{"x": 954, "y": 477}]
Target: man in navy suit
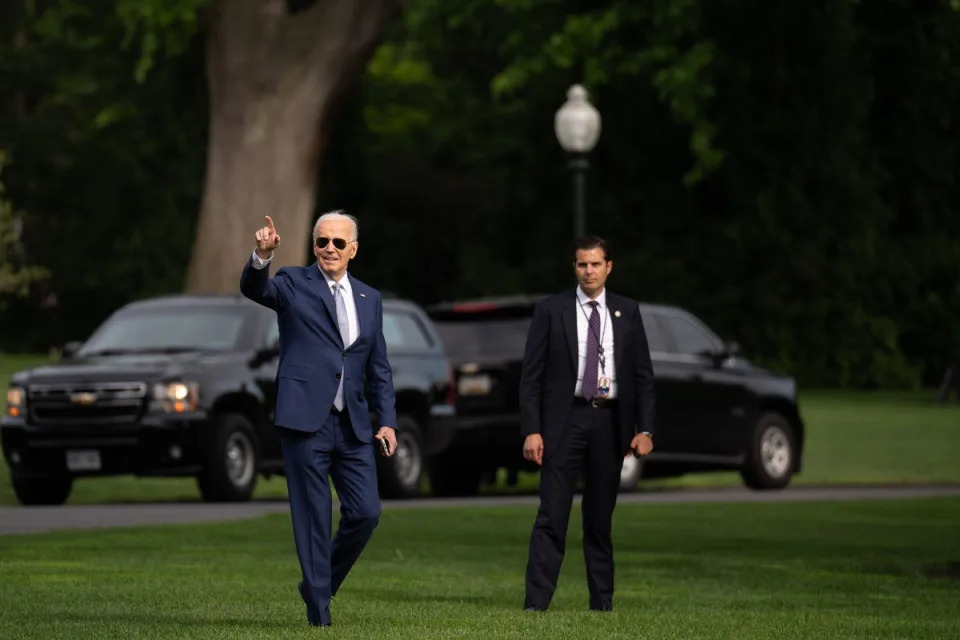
[
  {"x": 331, "y": 350},
  {"x": 586, "y": 402}
]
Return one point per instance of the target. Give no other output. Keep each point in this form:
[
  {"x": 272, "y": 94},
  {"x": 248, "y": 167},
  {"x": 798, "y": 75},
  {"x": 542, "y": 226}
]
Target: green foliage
[
  {"x": 655, "y": 42},
  {"x": 15, "y": 276},
  {"x": 105, "y": 168},
  {"x": 788, "y": 172},
  {"x": 161, "y": 26}
]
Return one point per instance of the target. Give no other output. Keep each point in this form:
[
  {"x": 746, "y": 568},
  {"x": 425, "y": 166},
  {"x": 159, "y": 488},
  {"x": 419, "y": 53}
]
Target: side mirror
[
  {"x": 70, "y": 349},
  {"x": 719, "y": 358},
  {"x": 265, "y": 355}
]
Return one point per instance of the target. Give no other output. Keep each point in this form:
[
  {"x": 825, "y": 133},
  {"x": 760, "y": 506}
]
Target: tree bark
[{"x": 273, "y": 78}]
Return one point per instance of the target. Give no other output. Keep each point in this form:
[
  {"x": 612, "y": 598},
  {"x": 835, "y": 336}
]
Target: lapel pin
[
  {"x": 617, "y": 313},
  {"x": 363, "y": 295}
]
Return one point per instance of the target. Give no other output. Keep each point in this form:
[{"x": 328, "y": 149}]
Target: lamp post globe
[{"x": 577, "y": 125}]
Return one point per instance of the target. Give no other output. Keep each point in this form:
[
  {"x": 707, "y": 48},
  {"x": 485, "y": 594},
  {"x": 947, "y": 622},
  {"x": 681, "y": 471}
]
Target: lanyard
[{"x": 603, "y": 332}]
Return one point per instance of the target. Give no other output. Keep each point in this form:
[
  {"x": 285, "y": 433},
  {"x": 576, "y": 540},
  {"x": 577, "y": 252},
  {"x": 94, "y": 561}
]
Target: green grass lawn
[
  {"x": 870, "y": 569},
  {"x": 852, "y": 438}
]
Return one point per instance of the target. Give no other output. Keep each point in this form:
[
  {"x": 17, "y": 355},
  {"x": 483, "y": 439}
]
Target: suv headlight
[
  {"x": 16, "y": 402},
  {"x": 174, "y": 397}
]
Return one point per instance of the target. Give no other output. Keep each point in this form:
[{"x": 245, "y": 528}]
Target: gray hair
[{"x": 338, "y": 214}]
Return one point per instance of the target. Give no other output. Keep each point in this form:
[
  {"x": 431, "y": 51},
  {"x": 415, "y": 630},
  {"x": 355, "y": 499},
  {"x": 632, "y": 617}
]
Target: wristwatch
[{"x": 648, "y": 434}]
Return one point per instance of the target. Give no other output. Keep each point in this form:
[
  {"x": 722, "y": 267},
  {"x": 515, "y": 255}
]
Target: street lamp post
[{"x": 577, "y": 125}]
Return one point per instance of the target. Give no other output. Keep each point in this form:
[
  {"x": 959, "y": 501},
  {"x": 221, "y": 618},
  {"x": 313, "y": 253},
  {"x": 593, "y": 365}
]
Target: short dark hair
[{"x": 591, "y": 242}]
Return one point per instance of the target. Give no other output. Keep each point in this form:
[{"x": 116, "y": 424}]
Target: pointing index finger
[{"x": 270, "y": 223}]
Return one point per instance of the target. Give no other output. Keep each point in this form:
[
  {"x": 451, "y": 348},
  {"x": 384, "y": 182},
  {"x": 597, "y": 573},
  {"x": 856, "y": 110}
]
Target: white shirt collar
[
  {"x": 601, "y": 299},
  {"x": 344, "y": 281}
]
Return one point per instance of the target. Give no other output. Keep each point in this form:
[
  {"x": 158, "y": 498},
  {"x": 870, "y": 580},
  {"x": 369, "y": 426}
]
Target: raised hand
[{"x": 267, "y": 239}]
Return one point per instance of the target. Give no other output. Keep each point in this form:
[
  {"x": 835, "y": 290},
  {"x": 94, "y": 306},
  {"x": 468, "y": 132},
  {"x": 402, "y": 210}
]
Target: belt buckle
[{"x": 596, "y": 403}]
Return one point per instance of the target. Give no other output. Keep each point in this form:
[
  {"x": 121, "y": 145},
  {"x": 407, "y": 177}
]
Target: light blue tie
[{"x": 344, "y": 333}]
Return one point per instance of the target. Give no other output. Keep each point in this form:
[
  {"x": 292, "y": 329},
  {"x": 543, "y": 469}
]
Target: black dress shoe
[{"x": 534, "y": 609}]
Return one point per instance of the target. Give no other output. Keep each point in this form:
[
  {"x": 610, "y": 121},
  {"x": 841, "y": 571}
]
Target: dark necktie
[{"x": 591, "y": 359}]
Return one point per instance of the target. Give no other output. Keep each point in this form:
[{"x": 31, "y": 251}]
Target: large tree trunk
[{"x": 274, "y": 77}]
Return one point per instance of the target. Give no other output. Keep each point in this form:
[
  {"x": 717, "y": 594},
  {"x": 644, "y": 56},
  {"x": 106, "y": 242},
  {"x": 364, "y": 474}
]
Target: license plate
[
  {"x": 478, "y": 385},
  {"x": 86, "y": 460}
]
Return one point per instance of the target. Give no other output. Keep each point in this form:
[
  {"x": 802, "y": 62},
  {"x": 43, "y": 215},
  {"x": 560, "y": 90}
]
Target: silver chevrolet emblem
[{"x": 83, "y": 398}]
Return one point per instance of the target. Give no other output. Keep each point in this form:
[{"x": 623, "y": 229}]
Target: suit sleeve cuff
[{"x": 259, "y": 263}]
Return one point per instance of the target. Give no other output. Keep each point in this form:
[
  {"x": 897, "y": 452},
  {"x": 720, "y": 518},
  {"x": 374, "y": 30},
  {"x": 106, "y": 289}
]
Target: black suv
[
  {"x": 185, "y": 386},
  {"x": 714, "y": 409}
]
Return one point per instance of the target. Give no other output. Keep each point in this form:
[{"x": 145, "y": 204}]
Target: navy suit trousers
[{"x": 310, "y": 460}]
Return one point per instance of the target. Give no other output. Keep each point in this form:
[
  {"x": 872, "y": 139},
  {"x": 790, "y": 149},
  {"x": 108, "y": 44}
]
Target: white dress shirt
[
  {"x": 353, "y": 322},
  {"x": 606, "y": 340}
]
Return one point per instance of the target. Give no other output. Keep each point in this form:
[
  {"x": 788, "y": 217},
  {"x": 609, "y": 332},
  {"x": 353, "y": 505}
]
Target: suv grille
[{"x": 94, "y": 403}]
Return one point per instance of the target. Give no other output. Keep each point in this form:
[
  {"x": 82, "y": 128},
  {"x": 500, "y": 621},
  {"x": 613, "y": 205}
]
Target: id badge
[{"x": 603, "y": 387}]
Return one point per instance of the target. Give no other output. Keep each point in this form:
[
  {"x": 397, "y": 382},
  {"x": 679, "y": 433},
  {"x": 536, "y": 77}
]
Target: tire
[
  {"x": 230, "y": 460},
  {"x": 772, "y": 455},
  {"x": 454, "y": 475},
  {"x": 630, "y": 473},
  {"x": 42, "y": 491},
  {"x": 399, "y": 475}
]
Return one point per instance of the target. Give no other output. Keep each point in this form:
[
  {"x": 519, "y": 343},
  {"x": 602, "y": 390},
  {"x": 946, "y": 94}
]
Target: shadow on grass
[{"x": 948, "y": 570}]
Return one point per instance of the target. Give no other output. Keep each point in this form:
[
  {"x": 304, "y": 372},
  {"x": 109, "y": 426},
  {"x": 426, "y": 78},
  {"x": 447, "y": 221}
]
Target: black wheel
[
  {"x": 230, "y": 460},
  {"x": 399, "y": 475},
  {"x": 454, "y": 475},
  {"x": 42, "y": 491},
  {"x": 770, "y": 459},
  {"x": 630, "y": 473}
]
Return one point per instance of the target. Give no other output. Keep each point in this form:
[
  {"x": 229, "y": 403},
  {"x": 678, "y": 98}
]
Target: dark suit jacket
[
  {"x": 549, "y": 376},
  {"x": 312, "y": 351}
]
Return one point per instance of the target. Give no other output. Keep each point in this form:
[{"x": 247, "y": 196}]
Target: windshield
[
  {"x": 494, "y": 337},
  {"x": 168, "y": 330}
]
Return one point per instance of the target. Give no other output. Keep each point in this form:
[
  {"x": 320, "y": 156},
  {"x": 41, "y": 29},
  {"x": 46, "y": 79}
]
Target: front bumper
[{"x": 156, "y": 445}]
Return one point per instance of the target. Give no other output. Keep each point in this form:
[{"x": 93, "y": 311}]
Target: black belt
[{"x": 596, "y": 403}]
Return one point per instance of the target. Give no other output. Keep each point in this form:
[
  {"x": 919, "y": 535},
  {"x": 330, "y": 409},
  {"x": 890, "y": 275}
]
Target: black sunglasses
[{"x": 339, "y": 243}]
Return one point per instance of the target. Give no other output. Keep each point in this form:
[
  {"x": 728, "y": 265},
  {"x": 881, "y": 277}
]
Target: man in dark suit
[
  {"x": 331, "y": 350},
  {"x": 586, "y": 401}
]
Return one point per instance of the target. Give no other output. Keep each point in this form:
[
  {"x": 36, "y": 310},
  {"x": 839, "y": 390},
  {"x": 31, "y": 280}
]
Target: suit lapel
[
  {"x": 364, "y": 305},
  {"x": 569, "y": 314},
  {"x": 313, "y": 273},
  {"x": 616, "y": 321}
]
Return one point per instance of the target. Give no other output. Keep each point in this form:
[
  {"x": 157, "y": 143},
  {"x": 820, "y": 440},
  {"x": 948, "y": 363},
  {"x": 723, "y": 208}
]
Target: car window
[
  {"x": 651, "y": 327},
  {"x": 689, "y": 337},
  {"x": 169, "y": 328},
  {"x": 403, "y": 330},
  {"x": 488, "y": 337}
]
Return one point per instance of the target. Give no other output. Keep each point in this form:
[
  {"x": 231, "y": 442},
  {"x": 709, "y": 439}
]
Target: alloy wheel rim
[
  {"x": 775, "y": 452},
  {"x": 239, "y": 459},
  {"x": 408, "y": 461}
]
